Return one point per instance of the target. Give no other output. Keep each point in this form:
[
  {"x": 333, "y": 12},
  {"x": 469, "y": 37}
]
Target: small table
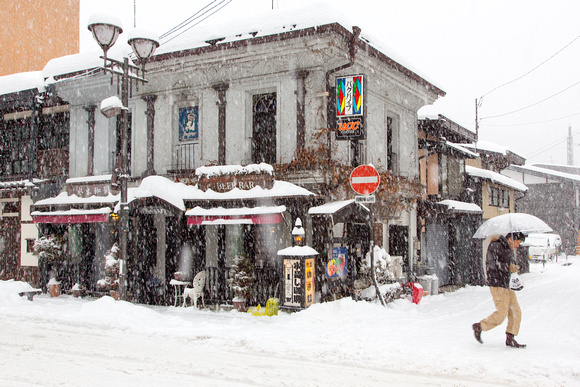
[{"x": 178, "y": 287}]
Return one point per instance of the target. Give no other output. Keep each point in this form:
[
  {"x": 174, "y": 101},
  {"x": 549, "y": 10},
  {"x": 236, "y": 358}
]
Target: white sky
[{"x": 468, "y": 47}]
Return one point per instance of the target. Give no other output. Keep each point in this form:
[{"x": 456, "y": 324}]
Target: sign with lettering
[
  {"x": 350, "y": 129},
  {"x": 350, "y": 112},
  {"x": 349, "y": 96}
]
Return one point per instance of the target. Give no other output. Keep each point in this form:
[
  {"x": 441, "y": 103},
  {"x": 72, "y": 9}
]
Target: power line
[
  {"x": 534, "y": 104},
  {"x": 185, "y": 22},
  {"x": 534, "y": 123},
  {"x": 213, "y": 10},
  {"x": 541, "y": 64},
  {"x": 550, "y": 146}
]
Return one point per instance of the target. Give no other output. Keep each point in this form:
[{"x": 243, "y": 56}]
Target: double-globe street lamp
[{"x": 106, "y": 29}]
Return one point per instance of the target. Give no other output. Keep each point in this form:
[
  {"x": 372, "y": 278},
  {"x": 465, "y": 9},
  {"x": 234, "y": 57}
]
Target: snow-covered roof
[
  {"x": 21, "y": 81},
  {"x": 331, "y": 207},
  {"x": 218, "y": 170},
  {"x": 462, "y": 149},
  {"x": 495, "y": 177},
  {"x": 546, "y": 172},
  {"x": 241, "y": 211},
  {"x": 461, "y": 206},
  {"x": 73, "y": 211},
  {"x": 276, "y": 22},
  {"x": 20, "y": 183},
  {"x": 175, "y": 193},
  {"x": 488, "y": 146},
  {"x": 298, "y": 251}
]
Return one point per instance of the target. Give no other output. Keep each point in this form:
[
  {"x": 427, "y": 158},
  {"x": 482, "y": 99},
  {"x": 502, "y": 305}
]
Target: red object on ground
[{"x": 416, "y": 291}]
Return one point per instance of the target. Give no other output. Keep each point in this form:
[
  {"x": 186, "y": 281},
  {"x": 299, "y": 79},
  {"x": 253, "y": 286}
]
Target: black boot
[
  {"x": 511, "y": 342},
  {"x": 477, "y": 332}
]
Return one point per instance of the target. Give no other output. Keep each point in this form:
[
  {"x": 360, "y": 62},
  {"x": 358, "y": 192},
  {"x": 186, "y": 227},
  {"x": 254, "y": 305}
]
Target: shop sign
[
  {"x": 243, "y": 181},
  {"x": 350, "y": 108},
  {"x": 336, "y": 267},
  {"x": 351, "y": 128},
  {"x": 309, "y": 286},
  {"x": 349, "y": 96}
]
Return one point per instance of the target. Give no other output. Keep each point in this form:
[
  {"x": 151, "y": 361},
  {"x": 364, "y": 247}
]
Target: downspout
[
  {"x": 37, "y": 100},
  {"x": 331, "y": 90}
]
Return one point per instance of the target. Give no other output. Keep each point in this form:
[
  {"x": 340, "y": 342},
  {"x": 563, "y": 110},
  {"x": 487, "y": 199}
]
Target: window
[
  {"x": 29, "y": 245},
  {"x": 391, "y": 152},
  {"x": 499, "y": 197},
  {"x": 264, "y": 107}
]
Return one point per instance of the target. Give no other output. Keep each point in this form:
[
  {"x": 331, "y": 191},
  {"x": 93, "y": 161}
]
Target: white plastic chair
[{"x": 196, "y": 291}]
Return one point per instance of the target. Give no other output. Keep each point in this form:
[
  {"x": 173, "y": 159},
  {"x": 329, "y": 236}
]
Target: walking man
[{"x": 499, "y": 267}]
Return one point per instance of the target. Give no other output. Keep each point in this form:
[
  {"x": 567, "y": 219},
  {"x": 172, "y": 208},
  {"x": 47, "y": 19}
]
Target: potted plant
[
  {"x": 241, "y": 280},
  {"x": 111, "y": 281},
  {"x": 51, "y": 253}
]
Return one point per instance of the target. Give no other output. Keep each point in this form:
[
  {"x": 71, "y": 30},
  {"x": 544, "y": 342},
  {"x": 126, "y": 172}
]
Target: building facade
[
  {"x": 33, "y": 32},
  {"x": 311, "y": 101}
]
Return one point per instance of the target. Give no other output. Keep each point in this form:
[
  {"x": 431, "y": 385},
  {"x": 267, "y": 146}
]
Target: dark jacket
[{"x": 497, "y": 263}]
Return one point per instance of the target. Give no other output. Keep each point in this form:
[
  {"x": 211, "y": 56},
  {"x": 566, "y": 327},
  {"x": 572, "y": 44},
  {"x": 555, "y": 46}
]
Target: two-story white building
[{"x": 300, "y": 100}]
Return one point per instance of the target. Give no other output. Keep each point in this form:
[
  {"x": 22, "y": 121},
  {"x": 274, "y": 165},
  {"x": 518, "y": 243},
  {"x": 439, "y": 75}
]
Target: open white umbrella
[{"x": 511, "y": 223}]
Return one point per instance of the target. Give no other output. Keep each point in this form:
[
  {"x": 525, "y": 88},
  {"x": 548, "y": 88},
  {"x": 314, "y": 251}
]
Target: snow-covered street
[{"x": 69, "y": 342}]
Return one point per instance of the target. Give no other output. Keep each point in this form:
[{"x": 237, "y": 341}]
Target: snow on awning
[
  {"x": 243, "y": 215},
  {"x": 99, "y": 215},
  {"x": 343, "y": 211},
  {"x": 330, "y": 208},
  {"x": 457, "y": 206}
]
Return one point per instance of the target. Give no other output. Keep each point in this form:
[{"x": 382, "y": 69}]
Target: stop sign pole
[{"x": 365, "y": 180}]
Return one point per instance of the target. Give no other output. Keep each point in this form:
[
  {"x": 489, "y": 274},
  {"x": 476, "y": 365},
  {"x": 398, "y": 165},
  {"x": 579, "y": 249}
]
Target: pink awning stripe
[
  {"x": 235, "y": 219},
  {"x": 65, "y": 219}
]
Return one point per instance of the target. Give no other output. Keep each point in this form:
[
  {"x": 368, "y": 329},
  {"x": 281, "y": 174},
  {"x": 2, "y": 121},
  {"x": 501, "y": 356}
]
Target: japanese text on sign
[{"x": 349, "y": 96}]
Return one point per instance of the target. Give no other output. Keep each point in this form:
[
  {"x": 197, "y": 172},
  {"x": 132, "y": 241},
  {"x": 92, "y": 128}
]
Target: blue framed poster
[
  {"x": 189, "y": 123},
  {"x": 336, "y": 267}
]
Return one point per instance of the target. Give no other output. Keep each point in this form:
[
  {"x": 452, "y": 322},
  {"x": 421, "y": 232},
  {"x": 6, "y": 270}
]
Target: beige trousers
[{"x": 506, "y": 303}]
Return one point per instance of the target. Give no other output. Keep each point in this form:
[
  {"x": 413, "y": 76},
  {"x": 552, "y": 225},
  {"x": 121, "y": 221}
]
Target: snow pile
[{"x": 341, "y": 343}]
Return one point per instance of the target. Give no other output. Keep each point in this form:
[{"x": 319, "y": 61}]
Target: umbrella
[{"x": 510, "y": 223}]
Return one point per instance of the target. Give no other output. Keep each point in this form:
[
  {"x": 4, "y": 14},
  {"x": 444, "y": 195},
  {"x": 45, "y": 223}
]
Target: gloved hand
[{"x": 514, "y": 268}]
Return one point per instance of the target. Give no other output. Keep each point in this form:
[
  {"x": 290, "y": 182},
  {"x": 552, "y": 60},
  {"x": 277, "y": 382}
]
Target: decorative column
[
  {"x": 150, "y": 113},
  {"x": 221, "y": 102},
  {"x": 91, "y": 139},
  {"x": 300, "y": 109}
]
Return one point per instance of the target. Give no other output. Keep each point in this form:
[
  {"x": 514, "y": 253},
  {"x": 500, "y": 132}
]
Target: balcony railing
[{"x": 185, "y": 157}]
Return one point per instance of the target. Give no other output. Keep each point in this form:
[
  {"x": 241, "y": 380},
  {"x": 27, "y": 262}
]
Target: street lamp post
[{"x": 106, "y": 29}]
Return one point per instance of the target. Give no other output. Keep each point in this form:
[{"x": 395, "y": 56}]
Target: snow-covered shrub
[
  {"x": 111, "y": 280},
  {"x": 381, "y": 260},
  {"x": 242, "y": 277},
  {"x": 50, "y": 249}
]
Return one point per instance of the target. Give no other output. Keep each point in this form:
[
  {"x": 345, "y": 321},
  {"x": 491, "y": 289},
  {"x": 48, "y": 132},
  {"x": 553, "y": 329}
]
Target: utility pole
[{"x": 570, "y": 146}]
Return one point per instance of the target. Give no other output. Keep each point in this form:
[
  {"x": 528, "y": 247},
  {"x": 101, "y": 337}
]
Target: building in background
[{"x": 34, "y": 31}]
